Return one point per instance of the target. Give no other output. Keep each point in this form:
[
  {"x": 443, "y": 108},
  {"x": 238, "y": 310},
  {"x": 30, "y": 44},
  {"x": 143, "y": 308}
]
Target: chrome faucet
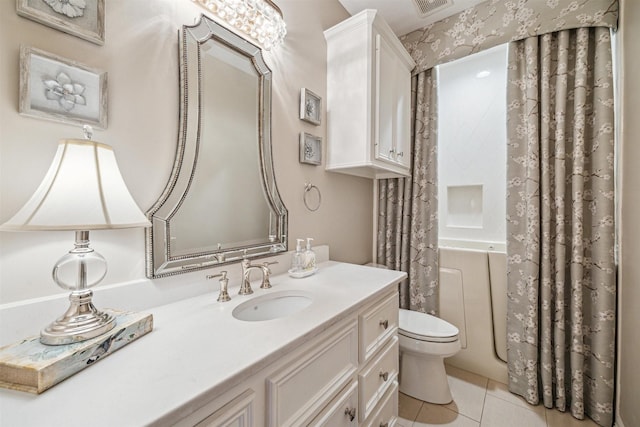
[
  {"x": 224, "y": 282},
  {"x": 247, "y": 267},
  {"x": 266, "y": 273}
]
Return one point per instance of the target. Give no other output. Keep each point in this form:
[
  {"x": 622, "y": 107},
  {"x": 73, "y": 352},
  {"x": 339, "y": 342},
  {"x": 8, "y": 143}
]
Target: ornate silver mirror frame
[{"x": 162, "y": 256}]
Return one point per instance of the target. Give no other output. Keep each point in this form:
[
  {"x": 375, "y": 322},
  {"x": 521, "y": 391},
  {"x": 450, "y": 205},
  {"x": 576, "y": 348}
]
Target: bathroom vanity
[{"x": 332, "y": 363}]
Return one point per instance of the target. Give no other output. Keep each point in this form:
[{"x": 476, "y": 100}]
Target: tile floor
[{"x": 481, "y": 402}]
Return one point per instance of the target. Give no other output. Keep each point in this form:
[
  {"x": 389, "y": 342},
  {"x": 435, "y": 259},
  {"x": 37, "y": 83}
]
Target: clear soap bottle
[
  {"x": 309, "y": 257},
  {"x": 297, "y": 260}
]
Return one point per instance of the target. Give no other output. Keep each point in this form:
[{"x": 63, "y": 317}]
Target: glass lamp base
[{"x": 82, "y": 321}]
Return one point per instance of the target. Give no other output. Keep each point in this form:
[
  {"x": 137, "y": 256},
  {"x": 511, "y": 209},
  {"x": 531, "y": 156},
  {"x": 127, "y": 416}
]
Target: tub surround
[
  {"x": 474, "y": 299},
  {"x": 198, "y": 351}
]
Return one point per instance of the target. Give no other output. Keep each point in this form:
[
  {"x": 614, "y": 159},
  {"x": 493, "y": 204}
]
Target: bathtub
[{"x": 473, "y": 297}]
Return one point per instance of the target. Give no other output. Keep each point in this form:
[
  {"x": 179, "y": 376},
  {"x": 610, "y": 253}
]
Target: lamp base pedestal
[
  {"x": 81, "y": 321},
  {"x": 30, "y": 366}
]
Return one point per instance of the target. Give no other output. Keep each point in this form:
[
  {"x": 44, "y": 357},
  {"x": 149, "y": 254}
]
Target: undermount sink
[{"x": 272, "y": 305}]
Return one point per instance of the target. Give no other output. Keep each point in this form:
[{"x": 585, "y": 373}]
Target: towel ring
[{"x": 311, "y": 205}]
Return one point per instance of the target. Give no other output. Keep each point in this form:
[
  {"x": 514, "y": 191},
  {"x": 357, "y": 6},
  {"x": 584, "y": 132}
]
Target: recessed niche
[{"x": 464, "y": 206}]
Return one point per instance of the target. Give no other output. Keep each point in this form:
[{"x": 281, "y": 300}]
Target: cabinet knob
[
  {"x": 392, "y": 150},
  {"x": 400, "y": 154},
  {"x": 384, "y": 424},
  {"x": 384, "y": 323},
  {"x": 384, "y": 375},
  {"x": 351, "y": 413}
]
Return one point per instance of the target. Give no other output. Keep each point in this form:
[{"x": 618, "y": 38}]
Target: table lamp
[{"x": 82, "y": 191}]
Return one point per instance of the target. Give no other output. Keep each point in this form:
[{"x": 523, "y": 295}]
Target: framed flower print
[
  {"x": 81, "y": 18},
  {"x": 55, "y": 88},
  {"x": 310, "y": 106},
  {"x": 310, "y": 149}
]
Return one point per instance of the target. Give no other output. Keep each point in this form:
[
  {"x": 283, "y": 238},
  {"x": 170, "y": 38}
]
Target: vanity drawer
[
  {"x": 297, "y": 393},
  {"x": 375, "y": 379},
  {"x": 342, "y": 411},
  {"x": 387, "y": 413},
  {"x": 377, "y": 324}
]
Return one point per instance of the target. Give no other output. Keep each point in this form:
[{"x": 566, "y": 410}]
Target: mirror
[{"x": 221, "y": 203}]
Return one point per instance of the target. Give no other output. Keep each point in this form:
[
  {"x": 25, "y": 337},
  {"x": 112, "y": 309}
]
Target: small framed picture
[
  {"x": 81, "y": 18},
  {"x": 310, "y": 106},
  {"x": 310, "y": 149},
  {"x": 55, "y": 88}
]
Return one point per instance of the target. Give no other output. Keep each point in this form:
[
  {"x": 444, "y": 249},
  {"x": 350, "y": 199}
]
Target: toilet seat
[{"x": 425, "y": 327}]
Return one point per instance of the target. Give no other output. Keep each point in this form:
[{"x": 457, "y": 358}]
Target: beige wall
[
  {"x": 141, "y": 58},
  {"x": 629, "y": 306}
]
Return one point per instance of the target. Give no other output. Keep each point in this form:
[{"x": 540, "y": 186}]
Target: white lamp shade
[{"x": 83, "y": 190}]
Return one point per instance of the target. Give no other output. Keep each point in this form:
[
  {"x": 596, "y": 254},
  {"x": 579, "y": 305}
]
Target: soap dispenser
[
  {"x": 297, "y": 260},
  {"x": 309, "y": 257}
]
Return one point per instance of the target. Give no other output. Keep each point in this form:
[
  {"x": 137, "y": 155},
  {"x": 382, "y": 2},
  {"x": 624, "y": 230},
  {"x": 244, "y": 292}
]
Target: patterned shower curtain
[
  {"x": 408, "y": 207},
  {"x": 560, "y": 222}
]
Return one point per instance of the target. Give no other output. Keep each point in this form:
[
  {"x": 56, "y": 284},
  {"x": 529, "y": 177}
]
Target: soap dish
[{"x": 303, "y": 273}]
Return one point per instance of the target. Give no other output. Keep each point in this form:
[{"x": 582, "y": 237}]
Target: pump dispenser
[
  {"x": 309, "y": 257},
  {"x": 297, "y": 260}
]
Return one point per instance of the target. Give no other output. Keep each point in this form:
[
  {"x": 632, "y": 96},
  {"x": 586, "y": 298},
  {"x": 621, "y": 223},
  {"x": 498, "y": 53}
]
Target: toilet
[{"x": 425, "y": 341}]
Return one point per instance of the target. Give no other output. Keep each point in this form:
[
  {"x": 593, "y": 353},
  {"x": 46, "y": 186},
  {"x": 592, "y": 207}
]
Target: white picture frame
[
  {"x": 310, "y": 149},
  {"x": 86, "y": 21},
  {"x": 310, "y": 107},
  {"x": 62, "y": 90}
]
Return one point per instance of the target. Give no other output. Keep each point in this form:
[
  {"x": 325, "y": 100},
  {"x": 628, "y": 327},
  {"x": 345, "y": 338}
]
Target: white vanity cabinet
[
  {"x": 307, "y": 382},
  {"x": 368, "y": 99},
  {"x": 238, "y": 412},
  {"x": 345, "y": 376},
  {"x": 333, "y": 363}
]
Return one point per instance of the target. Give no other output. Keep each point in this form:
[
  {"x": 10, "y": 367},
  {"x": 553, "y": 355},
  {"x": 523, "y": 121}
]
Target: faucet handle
[
  {"x": 266, "y": 272},
  {"x": 224, "y": 283}
]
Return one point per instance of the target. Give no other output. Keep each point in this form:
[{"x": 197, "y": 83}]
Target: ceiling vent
[{"x": 428, "y": 7}]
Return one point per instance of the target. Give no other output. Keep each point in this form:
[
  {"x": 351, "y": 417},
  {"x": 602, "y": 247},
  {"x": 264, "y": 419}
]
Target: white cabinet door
[
  {"x": 402, "y": 113},
  {"x": 237, "y": 413},
  {"x": 385, "y": 105},
  {"x": 298, "y": 392},
  {"x": 392, "y": 107}
]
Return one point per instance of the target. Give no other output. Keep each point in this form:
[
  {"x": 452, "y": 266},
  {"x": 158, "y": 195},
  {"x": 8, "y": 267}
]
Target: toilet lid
[{"x": 425, "y": 327}]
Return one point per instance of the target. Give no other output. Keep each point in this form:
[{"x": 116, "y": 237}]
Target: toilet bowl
[{"x": 425, "y": 341}]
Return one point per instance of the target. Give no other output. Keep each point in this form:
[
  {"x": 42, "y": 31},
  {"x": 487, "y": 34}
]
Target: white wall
[
  {"x": 141, "y": 57},
  {"x": 627, "y": 408},
  {"x": 472, "y": 147}
]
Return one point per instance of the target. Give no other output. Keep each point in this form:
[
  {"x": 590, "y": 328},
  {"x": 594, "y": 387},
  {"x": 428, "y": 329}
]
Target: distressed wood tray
[{"x": 33, "y": 367}]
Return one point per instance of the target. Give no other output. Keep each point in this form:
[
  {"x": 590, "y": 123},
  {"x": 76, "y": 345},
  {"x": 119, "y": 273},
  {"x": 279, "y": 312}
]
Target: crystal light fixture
[{"x": 261, "y": 20}]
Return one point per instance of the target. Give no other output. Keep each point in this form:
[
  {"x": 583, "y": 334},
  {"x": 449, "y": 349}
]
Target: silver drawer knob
[
  {"x": 384, "y": 324},
  {"x": 351, "y": 413},
  {"x": 384, "y": 424},
  {"x": 384, "y": 375}
]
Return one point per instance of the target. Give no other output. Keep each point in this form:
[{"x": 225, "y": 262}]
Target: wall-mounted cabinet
[{"x": 368, "y": 99}]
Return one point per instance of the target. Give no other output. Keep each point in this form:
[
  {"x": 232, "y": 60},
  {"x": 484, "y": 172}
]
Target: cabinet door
[
  {"x": 385, "y": 101},
  {"x": 402, "y": 120},
  {"x": 299, "y": 391},
  {"x": 236, "y": 413}
]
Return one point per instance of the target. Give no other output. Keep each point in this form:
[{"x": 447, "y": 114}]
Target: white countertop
[{"x": 195, "y": 352}]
